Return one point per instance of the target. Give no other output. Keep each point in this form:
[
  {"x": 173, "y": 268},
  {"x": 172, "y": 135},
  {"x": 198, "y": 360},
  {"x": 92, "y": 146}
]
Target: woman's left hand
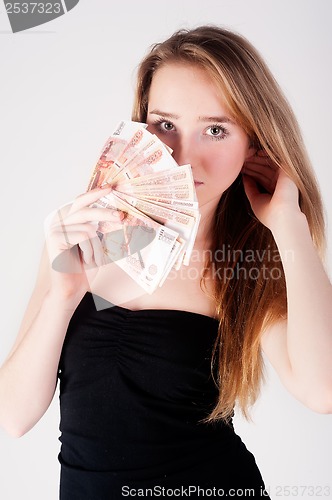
[{"x": 281, "y": 194}]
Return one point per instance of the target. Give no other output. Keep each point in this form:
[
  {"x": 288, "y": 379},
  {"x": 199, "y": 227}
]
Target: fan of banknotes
[{"x": 159, "y": 201}]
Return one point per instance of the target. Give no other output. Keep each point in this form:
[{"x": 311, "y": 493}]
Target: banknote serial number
[{"x": 33, "y": 7}]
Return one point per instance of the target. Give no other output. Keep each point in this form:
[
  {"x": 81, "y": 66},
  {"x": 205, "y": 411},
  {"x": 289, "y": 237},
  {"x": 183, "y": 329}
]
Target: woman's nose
[{"x": 183, "y": 152}]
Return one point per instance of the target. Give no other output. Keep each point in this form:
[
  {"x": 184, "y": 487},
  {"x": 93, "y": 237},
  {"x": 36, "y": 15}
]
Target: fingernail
[{"x": 117, "y": 213}]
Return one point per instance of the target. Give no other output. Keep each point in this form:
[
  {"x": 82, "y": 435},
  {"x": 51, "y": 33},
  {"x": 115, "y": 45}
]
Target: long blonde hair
[{"x": 246, "y": 302}]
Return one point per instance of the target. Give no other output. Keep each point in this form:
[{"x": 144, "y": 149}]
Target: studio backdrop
[{"x": 67, "y": 78}]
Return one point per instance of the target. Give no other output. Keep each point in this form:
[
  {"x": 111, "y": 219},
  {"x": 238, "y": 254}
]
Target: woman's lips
[{"x": 198, "y": 183}]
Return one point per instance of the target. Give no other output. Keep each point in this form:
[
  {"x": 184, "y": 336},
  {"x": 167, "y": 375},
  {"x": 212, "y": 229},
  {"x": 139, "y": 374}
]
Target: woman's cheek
[{"x": 224, "y": 161}]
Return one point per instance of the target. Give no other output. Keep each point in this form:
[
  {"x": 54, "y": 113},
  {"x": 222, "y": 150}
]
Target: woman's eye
[
  {"x": 216, "y": 132},
  {"x": 168, "y": 126},
  {"x": 163, "y": 126}
]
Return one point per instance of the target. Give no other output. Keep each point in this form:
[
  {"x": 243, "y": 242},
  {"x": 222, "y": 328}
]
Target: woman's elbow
[
  {"x": 15, "y": 429},
  {"x": 14, "y": 432},
  {"x": 320, "y": 402}
]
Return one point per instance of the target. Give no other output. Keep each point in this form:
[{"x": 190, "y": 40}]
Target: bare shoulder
[{"x": 39, "y": 292}]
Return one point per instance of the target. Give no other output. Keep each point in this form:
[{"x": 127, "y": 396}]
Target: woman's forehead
[{"x": 186, "y": 86}]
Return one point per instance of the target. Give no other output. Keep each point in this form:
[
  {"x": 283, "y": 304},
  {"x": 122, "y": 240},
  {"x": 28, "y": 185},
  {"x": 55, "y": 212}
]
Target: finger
[
  {"x": 256, "y": 173},
  {"x": 70, "y": 233},
  {"x": 98, "y": 252},
  {"x": 87, "y": 250},
  {"x": 86, "y": 199},
  {"x": 88, "y": 243},
  {"x": 67, "y": 261},
  {"x": 61, "y": 242},
  {"x": 262, "y": 158},
  {"x": 250, "y": 187},
  {"x": 264, "y": 166},
  {"x": 91, "y": 214},
  {"x": 266, "y": 169},
  {"x": 105, "y": 226},
  {"x": 262, "y": 153},
  {"x": 267, "y": 183},
  {"x": 285, "y": 186}
]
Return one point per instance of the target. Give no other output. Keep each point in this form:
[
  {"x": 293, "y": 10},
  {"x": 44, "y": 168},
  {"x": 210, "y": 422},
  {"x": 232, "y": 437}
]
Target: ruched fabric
[{"x": 134, "y": 389}]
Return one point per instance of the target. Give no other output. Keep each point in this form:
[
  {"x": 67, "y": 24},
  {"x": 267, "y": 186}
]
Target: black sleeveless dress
[{"x": 134, "y": 388}]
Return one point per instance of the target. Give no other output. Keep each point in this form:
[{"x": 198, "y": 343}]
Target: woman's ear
[
  {"x": 251, "y": 152},
  {"x": 252, "y": 148}
]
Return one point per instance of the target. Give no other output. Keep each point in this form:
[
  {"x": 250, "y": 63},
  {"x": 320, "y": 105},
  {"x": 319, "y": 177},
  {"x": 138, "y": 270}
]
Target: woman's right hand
[
  {"x": 30, "y": 371},
  {"x": 73, "y": 245}
]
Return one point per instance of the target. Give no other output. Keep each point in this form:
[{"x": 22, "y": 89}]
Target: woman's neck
[{"x": 204, "y": 235}]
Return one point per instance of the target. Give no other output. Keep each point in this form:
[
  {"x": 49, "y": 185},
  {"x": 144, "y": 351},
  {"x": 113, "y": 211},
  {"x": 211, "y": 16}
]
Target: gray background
[{"x": 64, "y": 85}]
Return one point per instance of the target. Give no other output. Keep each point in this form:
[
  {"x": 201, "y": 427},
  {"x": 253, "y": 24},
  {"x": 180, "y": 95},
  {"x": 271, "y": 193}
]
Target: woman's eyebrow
[
  {"x": 209, "y": 119},
  {"x": 212, "y": 119},
  {"x": 165, "y": 115}
]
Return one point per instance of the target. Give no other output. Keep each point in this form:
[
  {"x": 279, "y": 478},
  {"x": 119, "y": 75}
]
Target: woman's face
[{"x": 186, "y": 113}]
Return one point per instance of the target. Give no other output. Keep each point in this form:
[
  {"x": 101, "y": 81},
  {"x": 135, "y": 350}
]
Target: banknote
[
  {"x": 144, "y": 247},
  {"x": 178, "y": 221},
  {"x": 177, "y": 185},
  {"x": 158, "y": 198},
  {"x": 171, "y": 203},
  {"x": 155, "y": 158},
  {"x": 139, "y": 142},
  {"x": 182, "y": 173},
  {"x": 112, "y": 149},
  {"x": 175, "y": 259}
]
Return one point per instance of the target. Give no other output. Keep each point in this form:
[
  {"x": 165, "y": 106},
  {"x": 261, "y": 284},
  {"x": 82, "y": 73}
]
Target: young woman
[{"x": 148, "y": 386}]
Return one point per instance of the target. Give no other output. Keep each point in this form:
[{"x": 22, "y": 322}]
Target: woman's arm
[
  {"x": 300, "y": 349},
  {"x": 29, "y": 374}
]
